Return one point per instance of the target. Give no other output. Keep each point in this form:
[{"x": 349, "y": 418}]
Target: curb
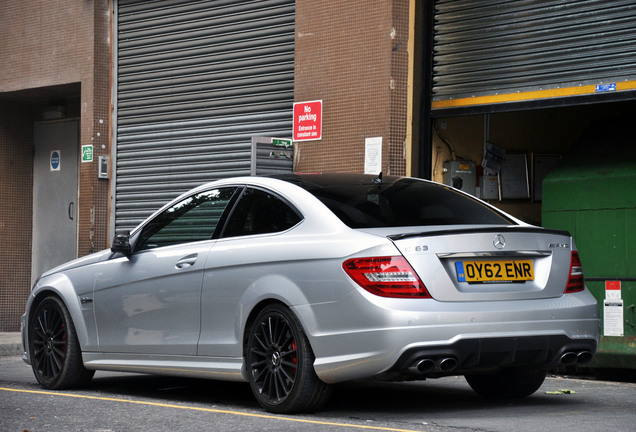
[{"x": 10, "y": 344}]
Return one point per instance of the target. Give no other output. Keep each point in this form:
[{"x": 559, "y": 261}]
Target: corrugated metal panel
[
  {"x": 491, "y": 47},
  {"x": 271, "y": 156},
  {"x": 195, "y": 81}
]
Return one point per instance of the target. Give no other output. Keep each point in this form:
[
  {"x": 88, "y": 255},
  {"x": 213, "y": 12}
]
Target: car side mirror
[{"x": 121, "y": 243}]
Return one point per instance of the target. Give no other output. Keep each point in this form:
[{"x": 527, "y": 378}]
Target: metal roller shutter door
[
  {"x": 501, "y": 50},
  {"x": 195, "y": 80}
]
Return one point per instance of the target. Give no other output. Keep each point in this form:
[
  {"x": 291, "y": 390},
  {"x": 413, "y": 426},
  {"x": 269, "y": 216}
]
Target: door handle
[
  {"x": 70, "y": 210},
  {"x": 187, "y": 261}
]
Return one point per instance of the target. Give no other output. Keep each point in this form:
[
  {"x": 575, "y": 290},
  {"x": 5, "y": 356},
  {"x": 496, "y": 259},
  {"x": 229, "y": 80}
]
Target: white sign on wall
[
  {"x": 373, "y": 155},
  {"x": 613, "y": 310}
]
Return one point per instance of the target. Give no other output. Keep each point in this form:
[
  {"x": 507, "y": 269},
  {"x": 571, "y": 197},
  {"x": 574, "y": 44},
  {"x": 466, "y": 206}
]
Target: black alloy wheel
[
  {"x": 54, "y": 350},
  {"x": 280, "y": 364}
]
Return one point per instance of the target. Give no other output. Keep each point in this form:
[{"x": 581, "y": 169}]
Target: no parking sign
[{"x": 307, "y": 121}]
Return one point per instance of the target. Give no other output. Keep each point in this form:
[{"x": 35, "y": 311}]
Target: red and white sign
[
  {"x": 307, "y": 121},
  {"x": 613, "y": 289}
]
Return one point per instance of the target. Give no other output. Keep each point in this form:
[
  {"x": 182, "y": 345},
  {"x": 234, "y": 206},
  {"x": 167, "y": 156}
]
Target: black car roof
[{"x": 321, "y": 180}]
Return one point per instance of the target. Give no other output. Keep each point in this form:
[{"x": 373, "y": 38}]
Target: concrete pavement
[{"x": 10, "y": 344}]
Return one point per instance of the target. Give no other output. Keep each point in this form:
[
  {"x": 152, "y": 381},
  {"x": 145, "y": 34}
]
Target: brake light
[
  {"x": 575, "y": 279},
  {"x": 386, "y": 277}
]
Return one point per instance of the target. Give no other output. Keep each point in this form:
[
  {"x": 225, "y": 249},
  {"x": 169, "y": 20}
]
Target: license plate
[{"x": 494, "y": 271}]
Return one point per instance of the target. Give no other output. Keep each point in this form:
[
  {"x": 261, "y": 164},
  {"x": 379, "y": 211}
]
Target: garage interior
[{"x": 548, "y": 133}]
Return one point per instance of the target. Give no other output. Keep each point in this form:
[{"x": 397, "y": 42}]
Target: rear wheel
[
  {"x": 54, "y": 350},
  {"x": 507, "y": 383},
  {"x": 280, "y": 364}
]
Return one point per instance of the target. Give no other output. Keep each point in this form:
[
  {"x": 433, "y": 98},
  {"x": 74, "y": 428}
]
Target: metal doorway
[{"x": 55, "y": 193}]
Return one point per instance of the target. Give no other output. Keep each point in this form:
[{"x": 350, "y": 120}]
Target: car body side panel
[
  {"x": 150, "y": 302},
  {"x": 242, "y": 272}
]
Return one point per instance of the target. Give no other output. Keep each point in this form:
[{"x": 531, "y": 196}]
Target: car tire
[
  {"x": 279, "y": 363},
  {"x": 507, "y": 383},
  {"x": 55, "y": 353}
]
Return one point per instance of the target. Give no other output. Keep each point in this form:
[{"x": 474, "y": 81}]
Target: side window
[
  {"x": 192, "y": 219},
  {"x": 259, "y": 212}
]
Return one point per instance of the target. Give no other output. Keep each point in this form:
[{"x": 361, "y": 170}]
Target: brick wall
[
  {"x": 94, "y": 192},
  {"x": 51, "y": 51},
  {"x": 353, "y": 56},
  {"x": 16, "y": 192}
]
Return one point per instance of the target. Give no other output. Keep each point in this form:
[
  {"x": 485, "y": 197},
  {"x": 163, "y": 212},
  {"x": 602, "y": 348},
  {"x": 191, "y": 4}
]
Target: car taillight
[
  {"x": 386, "y": 277},
  {"x": 575, "y": 279}
]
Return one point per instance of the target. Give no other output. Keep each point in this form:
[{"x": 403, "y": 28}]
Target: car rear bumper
[
  {"x": 473, "y": 355},
  {"x": 383, "y": 338}
]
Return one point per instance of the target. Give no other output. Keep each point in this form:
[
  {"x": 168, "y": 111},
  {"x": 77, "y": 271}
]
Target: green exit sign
[
  {"x": 87, "y": 153},
  {"x": 281, "y": 142}
]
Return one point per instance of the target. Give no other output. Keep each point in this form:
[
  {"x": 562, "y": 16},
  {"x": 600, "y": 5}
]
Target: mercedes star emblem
[{"x": 499, "y": 241}]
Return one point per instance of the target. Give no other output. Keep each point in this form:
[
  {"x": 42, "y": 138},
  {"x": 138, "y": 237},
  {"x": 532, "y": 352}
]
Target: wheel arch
[
  {"x": 251, "y": 318},
  {"x": 282, "y": 354},
  {"x": 58, "y": 363},
  {"x": 62, "y": 288},
  {"x": 268, "y": 289}
]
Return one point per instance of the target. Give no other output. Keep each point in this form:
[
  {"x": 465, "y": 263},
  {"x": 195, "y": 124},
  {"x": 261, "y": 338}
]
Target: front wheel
[
  {"x": 507, "y": 383},
  {"x": 280, "y": 364},
  {"x": 56, "y": 357}
]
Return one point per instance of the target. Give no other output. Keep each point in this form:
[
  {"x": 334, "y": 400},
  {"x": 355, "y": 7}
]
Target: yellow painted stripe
[
  {"x": 211, "y": 410},
  {"x": 529, "y": 95}
]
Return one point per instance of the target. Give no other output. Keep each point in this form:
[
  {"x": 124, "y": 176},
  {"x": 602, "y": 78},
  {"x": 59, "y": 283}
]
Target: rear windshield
[{"x": 403, "y": 202}]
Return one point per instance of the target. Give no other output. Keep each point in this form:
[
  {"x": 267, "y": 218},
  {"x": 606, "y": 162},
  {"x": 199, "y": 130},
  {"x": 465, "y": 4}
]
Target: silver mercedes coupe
[{"x": 297, "y": 282}]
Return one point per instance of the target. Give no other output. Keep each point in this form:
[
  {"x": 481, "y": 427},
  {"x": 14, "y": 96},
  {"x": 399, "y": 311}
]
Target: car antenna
[{"x": 378, "y": 179}]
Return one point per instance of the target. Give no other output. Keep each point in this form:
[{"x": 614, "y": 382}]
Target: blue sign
[
  {"x": 55, "y": 160},
  {"x": 606, "y": 87}
]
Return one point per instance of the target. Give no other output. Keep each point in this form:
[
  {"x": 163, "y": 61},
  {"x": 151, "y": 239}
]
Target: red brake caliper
[{"x": 294, "y": 359}]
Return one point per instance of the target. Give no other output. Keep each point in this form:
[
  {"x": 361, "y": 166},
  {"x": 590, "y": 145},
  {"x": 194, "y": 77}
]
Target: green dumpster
[{"x": 592, "y": 194}]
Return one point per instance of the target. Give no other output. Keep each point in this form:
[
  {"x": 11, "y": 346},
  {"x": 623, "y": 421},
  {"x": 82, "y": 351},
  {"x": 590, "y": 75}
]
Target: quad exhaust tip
[
  {"x": 584, "y": 357},
  {"x": 447, "y": 364},
  {"x": 570, "y": 358},
  {"x": 427, "y": 365}
]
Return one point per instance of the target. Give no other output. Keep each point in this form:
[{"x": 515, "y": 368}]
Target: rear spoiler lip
[{"x": 496, "y": 229}]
